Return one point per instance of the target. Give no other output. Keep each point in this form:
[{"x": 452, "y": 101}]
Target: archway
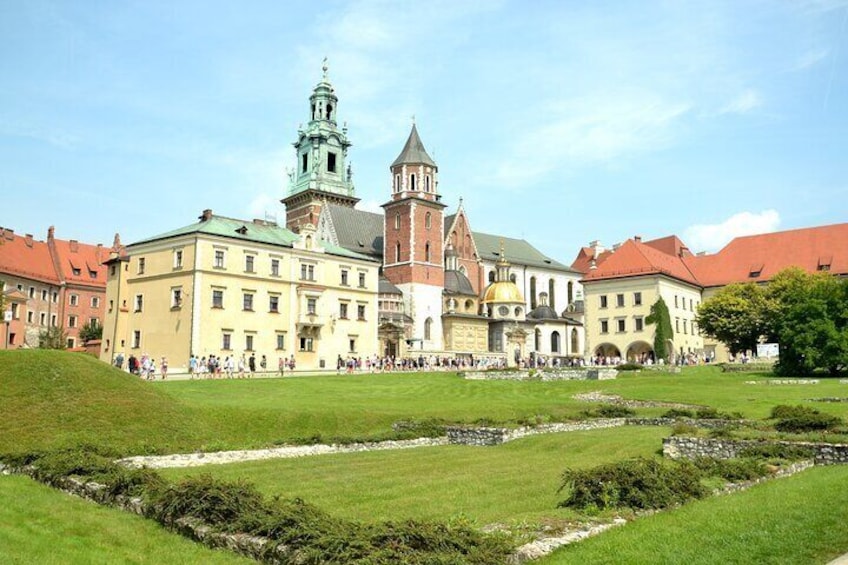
[
  {"x": 640, "y": 352},
  {"x": 607, "y": 350}
]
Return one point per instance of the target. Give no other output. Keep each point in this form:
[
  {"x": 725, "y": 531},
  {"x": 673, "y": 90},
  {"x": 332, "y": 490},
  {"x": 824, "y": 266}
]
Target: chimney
[
  {"x": 116, "y": 243},
  {"x": 74, "y": 245},
  {"x": 596, "y": 247},
  {"x": 9, "y": 234},
  {"x": 28, "y": 240},
  {"x": 206, "y": 215},
  {"x": 50, "y": 231},
  {"x": 637, "y": 238}
]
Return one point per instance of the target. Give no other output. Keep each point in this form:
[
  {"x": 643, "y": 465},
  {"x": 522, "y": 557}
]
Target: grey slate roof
[
  {"x": 385, "y": 286},
  {"x": 458, "y": 283},
  {"x": 358, "y": 230},
  {"x": 413, "y": 152},
  {"x": 517, "y": 251},
  {"x": 543, "y": 313}
]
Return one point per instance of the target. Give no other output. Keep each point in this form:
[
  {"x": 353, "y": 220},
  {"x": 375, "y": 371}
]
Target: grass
[
  {"x": 42, "y": 525},
  {"x": 797, "y": 520},
  {"x": 513, "y": 482}
]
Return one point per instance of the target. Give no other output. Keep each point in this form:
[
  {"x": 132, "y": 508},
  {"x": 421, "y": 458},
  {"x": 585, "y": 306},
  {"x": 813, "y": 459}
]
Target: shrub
[
  {"x": 743, "y": 469},
  {"x": 682, "y": 429},
  {"x": 614, "y": 411},
  {"x": 799, "y": 418},
  {"x": 678, "y": 413},
  {"x": 217, "y": 503},
  {"x": 710, "y": 413},
  {"x": 629, "y": 367},
  {"x": 778, "y": 451},
  {"x": 639, "y": 484}
]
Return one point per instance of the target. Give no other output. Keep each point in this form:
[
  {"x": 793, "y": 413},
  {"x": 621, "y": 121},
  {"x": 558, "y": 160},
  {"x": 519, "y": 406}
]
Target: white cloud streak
[{"x": 712, "y": 237}]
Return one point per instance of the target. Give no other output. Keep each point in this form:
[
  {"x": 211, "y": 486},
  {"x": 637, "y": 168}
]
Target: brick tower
[
  {"x": 413, "y": 237},
  {"x": 320, "y": 175}
]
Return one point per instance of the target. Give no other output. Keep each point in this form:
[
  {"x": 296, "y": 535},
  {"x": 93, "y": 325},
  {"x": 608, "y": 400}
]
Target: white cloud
[
  {"x": 810, "y": 59},
  {"x": 743, "y": 103},
  {"x": 370, "y": 206},
  {"x": 712, "y": 237}
]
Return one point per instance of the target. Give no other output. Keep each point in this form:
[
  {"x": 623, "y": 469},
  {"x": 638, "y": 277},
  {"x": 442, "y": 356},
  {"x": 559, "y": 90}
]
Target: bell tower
[
  {"x": 413, "y": 254},
  {"x": 321, "y": 174}
]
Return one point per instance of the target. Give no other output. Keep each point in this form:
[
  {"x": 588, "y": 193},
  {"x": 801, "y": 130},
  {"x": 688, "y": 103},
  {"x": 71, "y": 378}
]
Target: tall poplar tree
[{"x": 663, "y": 333}]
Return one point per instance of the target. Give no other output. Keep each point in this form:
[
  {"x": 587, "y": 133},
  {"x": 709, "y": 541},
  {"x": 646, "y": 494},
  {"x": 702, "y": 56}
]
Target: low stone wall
[
  {"x": 593, "y": 374},
  {"x": 784, "y": 382},
  {"x": 679, "y": 447},
  {"x": 597, "y": 396}
]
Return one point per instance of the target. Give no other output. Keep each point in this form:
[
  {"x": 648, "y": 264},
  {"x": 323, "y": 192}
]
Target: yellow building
[{"x": 229, "y": 287}]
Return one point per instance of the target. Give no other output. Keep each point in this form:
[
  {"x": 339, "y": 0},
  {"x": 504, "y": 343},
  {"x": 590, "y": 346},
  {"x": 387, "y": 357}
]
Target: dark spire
[{"x": 413, "y": 152}]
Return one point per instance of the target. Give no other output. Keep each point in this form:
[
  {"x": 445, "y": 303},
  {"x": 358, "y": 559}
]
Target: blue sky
[{"x": 558, "y": 122}]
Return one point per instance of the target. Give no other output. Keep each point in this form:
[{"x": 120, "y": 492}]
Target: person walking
[
  {"x": 163, "y": 368},
  {"x": 251, "y": 363}
]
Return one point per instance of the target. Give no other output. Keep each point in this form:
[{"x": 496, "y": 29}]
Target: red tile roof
[
  {"x": 25, "y": 257},
  {"x": 760, "y": 257},
  {"x": 79, "y": 261},
  {"x": 751, "y": 258}
]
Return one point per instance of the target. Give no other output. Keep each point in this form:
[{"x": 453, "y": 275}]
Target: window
[
  {"x": 139, "y": 302},
  {"x": 311, "y": 306},
  {"x": 675, "y": 301},
  {"x": 684, "y": 327},
  {"x": 217, "y": 298},
  {"x": 397, "y": 253},
  {"x": 71, "y": 343},
  {"x": 603, "y": 301},
  {"x": 44, "y": 295},
  {"x": 570, "y": 292},
  {"x": 74, "y": 299},
  {"x": 491, "y": 276},
  {"x": 512, "y": 278},
  {"x": 281, "y": 341},
  {"x": 226, "y": 341},
  {"x": 427, "y": 220},
  {"x": 604, "y": 327},
  {"x": 306, "y": 344},
  {"x": 361, "y": 280},
  {"x": 344, "y": 277},
  {"x": 176, "y": 297},
  {"x": 15, "y": 311},
  {"x": 53, "y": 320},
  {"x": 691, "y": 305},
  {"x": 397, "y": 183},
  {"x": 411, "y": 182},
  {"x": 343, "y": 311},
  {"x": 136, "y": 339},
  {"x": 55, "y": 297},
  {"x": 427, "y": 184},
  {"x": 247, "y": 301},
  {"x": 307, "y": 272},
  {"x": 360, "y": 312},
  {"x": 533, "y": 294},
  {"x": 304, "y": 162},
  {"x": 428, "y": 326},
  {"x": 331, "y": 162},
  {"x": 352, "y": 344},
  {"x": 619, "y": 300},
  {"x": 95, "y": 302},
  {"x": 248, "y": 342},
  {"x": 32, "y": 292},
  {"x": 141, "y": 263},
  {"x": 219, "y": 259},
  {"x": 639, "y": 323},
  {"x": 94, "y": 321},
  {"x": 275, "y": 267},
  {"x": 274, "y": 303},
  {"x": 113, "y": 270},
  {"x": 637, "y": 298},
  {"x": 92, "y": 274},
  {"x": 677, "y": 325},
  {"x": 621, "y": 326},
  {"x": 178, "y": 258},
  {"x": 427, "y": 252},
  {"x": 555, "y": 342},
  {"x": 30, "y": 316},
  {"x": 111, "y": 305},
  {"x": 248, "y": 263},
  {"x": 397, "y": 221}
]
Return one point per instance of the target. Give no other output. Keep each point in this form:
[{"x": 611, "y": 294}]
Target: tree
[
  {"x": 52, "y": 338},
  {"x": 736, "y": 316},
  {"x": 663, "y": 333},
  {"x": 91, "y": 330}
]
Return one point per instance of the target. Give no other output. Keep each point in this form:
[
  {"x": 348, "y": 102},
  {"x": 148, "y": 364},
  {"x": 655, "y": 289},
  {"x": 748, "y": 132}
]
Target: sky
[{"x": 558, "y": 122}]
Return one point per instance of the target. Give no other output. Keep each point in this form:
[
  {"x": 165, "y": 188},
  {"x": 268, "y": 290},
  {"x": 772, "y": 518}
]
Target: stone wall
[
  {"x": 549, "y": 374},
  {"x": 678, "y": 447}
]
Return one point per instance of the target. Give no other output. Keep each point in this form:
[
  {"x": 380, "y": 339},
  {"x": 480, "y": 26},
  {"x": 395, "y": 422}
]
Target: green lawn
[
  {"x": 797, "y": 520},
  {"x": 41, "y": 525},
  {"x": 513, "y": 482}
]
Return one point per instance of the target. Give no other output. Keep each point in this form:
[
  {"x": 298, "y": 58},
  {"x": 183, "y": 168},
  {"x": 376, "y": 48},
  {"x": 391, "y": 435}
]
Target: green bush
[
  {"x": 609, "y": 411},
  {"x": 742, "y": 469},
  {"x": 710, "y": 413},
  {"x": 688, "y": 430},
  {"x": 678, "y": 413},
  {"x": 778, "y": 451},
  {"x": 629, "y": 367},
  {"x": 218, "y": 503},
  {"x": 795, "y": 419},
  {"x": 639, "y": 484}
]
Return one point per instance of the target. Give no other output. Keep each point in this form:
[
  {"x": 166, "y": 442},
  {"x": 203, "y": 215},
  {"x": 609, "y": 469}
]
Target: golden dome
[{"x": 503, "y": 292}]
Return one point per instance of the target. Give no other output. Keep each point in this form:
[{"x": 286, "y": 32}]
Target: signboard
[
  {"x": 7, "y": 316},
  {"x": 767, "y": 350}
]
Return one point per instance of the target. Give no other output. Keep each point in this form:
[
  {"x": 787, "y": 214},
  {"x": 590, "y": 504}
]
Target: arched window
[
  {"x": 469, "y": 305},
  {"x": 397, "y": 253},
  {"x": 309, "y": 242},
  {"x": 532, "y": 292},
  {"x": 512, "y": 278},
  {"x": 397, "y": 221},
  {"x": 551, "y": 299},
  {"x": 537, "y": 344},
  {"x": 427, "y": 252},
  {"x": 427, "y": 183},
  {"x": 428, "y": 220},
  {"x": 329, "y": 111},
  {"x": 411, "y": 182},
  {"x": 575, "y": 342},
  {"x": 555, "y": 342},
  {"x": 570, "y": 292},
  {"x": 397, "y": 183},
  {"x": 463, "y": 270},
  {"x": 491, "y": 276},
  {"x": 428, "y": 324}
]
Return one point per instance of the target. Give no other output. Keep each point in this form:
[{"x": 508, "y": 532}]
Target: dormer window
[
  {"x": 824, "y": 262},
  {"x": 755, "y": 271}
]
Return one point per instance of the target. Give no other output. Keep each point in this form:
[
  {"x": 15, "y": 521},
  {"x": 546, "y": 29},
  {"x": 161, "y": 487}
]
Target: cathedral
[{"x": 444, "y": 289}]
